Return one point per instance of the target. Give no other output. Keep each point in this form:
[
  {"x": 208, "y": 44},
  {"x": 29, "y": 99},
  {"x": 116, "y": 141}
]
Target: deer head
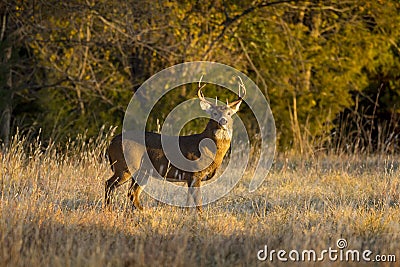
[{"x": 221, "y": 116}]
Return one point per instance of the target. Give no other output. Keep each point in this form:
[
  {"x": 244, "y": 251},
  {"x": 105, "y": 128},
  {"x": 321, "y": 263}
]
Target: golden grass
[{"x": 51, "y": 214}]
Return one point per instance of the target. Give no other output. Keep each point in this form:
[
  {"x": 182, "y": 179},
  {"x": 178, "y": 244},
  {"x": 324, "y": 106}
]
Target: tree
[
  {"x": 16, "y": 65},
  {"x": 76, "y": 64},
  {"x": 312, "y": 57}
]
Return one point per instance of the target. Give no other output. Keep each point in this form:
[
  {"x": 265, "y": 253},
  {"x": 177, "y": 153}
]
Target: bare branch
[{"x": 229, "y": 21}]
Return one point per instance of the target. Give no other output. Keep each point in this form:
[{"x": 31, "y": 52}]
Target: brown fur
[{"x": 218, "y": 129}]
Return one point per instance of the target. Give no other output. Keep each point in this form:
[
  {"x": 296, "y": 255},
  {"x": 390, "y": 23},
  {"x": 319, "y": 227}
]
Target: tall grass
[
  {"x": 51, "y": 211},
  {"x": 354, "y": 131}
]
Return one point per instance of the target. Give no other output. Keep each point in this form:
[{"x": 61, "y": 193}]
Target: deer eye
[
  {"x": 229, "y": 113},
  {"x": 215, "y": 114}
]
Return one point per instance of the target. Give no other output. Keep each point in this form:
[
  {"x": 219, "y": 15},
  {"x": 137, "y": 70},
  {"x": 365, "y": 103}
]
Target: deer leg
[
  {"x": 131, "y": 189},
  {"x": 109, "y": 188},
  {"x": 134, "y": 193},
  {"x": 189, "y": 196},
  {"x": 115, "y": 181},
  {"x": 136, "y": 202},
  {"x": 135, "y": 189},
  {"x": 194, "y": 191}
]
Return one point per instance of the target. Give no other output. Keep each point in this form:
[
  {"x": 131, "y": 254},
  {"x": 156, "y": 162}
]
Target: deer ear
[
  {"x": 206, "y": 106},
  {"x": 235, "y": 106}
]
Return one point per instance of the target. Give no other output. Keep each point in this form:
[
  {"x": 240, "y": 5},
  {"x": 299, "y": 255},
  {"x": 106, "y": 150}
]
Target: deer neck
[{"x": 221, "y": 137}]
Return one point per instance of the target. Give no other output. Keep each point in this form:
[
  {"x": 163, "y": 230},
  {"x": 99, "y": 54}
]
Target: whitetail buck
[{"x": 219, "y": 130}]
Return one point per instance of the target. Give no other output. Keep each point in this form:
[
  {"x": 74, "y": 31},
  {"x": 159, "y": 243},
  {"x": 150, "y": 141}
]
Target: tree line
[{"x": 329, "y": 69}]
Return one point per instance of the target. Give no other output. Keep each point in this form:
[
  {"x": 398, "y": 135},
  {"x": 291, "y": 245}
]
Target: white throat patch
[{"x": 223, "y": 134}]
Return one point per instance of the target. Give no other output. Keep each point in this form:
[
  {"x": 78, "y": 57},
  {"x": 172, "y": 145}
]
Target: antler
[
  {"x": 241, "y": 87},
  {"x": 242, "y": 93},
  {"x": 200, "y": 93}
]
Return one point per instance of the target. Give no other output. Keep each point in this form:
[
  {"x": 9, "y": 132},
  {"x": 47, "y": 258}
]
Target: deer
[{"x": 219, "y": 129}]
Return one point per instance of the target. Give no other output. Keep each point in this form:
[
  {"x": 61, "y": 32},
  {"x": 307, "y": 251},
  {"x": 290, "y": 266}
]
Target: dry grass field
[{"x": 51, "y": 212}]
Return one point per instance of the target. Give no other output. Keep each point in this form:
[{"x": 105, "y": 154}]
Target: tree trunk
[
  {"x": 5, "y": 123},
  {"x": 6, "y": 83}
]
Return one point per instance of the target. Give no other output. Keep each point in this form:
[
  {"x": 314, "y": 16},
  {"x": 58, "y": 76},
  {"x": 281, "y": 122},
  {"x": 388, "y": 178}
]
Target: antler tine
[
  {"x": 200, "y": 93},
  {"x": 241, "y": 86},
  {"x": 201, "y": 78}
]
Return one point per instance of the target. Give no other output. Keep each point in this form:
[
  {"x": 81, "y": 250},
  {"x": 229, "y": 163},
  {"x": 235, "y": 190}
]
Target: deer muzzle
[{"x": 223, "y": 122}]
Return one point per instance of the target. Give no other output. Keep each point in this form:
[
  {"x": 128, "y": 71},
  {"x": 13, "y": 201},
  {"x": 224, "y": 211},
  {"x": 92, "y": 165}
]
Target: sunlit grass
[{"x": 51, "y": 212}]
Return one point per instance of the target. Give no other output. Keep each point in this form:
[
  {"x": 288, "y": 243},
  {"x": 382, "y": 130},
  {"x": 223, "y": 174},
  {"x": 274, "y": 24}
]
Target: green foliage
[{"x": 315, "y": 61}]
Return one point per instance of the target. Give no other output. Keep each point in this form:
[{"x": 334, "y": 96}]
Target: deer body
[{"x": 219, "y": 130}]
